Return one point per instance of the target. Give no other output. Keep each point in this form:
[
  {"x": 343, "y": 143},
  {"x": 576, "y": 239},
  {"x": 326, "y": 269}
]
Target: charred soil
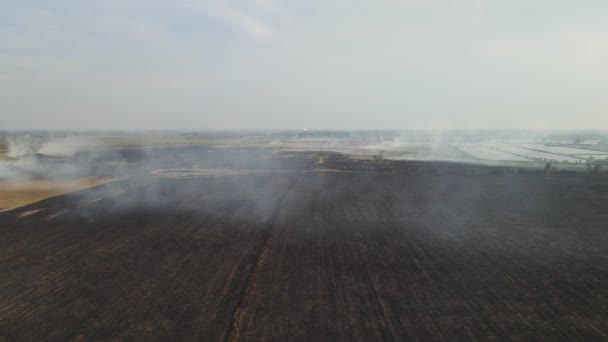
[{"x": 311, "y": 256}]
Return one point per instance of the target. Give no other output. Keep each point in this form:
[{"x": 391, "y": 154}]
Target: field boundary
[{"x": 233, "y": 333}]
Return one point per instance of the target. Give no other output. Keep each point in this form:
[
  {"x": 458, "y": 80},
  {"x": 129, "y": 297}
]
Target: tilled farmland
[{"x": 311, "y": 256}]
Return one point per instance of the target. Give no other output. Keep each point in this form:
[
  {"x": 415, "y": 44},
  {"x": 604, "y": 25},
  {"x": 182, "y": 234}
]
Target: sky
[{"x": 294, "y": 64}]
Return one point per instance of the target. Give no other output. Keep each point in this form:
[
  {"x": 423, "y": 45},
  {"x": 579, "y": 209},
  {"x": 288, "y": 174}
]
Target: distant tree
[
  {"x": 597, "y": 169},
  {"x": 590, "y": 162},
  {"x": 378, "y": 157},
  {"x": 551, "y": 170}
]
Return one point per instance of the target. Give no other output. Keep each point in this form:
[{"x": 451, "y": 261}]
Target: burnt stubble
[{"x": 311, "y": 256}]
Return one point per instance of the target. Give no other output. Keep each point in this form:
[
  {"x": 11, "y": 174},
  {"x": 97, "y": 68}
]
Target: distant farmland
[{"x": 345, "y": 256}]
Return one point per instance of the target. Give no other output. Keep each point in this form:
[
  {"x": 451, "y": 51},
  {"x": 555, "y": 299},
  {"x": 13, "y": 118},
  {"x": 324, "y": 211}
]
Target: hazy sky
[{"x": 196, "y": 64}]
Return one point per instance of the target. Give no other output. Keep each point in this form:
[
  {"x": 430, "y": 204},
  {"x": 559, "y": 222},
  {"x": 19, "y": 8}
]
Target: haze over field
[
  {"x": 334, "y": 170},
  {"x": 293, "y": 64}
]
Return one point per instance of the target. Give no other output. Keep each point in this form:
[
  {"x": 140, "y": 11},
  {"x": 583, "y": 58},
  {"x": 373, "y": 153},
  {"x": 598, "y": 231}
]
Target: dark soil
[{"x": 311, "y": 256}]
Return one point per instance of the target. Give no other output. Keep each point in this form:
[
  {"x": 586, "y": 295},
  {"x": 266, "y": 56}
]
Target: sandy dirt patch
[{"x": 16, "y": 193}]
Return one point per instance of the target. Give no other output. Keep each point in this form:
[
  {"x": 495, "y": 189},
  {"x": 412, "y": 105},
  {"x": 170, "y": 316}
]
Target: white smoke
[
  {"x": 19, "y": 146},
  {"x": 67, "y": 146},
  {"x": 24, "y": 151}
]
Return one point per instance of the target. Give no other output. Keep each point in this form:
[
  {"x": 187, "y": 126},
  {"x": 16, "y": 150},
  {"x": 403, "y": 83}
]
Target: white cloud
[
  {"x": 251, "y": 26},
  {"x": 244, "y": 19}
]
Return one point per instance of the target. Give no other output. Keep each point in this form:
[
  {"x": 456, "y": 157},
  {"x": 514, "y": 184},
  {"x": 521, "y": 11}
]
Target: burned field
[{"x": 311, "y": 255}]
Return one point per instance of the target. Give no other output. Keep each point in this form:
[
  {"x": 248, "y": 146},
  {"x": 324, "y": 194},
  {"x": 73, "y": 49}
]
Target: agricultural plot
[
  {"x": 133, "y": 261},
  {"x": 593, "y": 155},
  {"x": 593, "y": 147},
  {"x": 367, "y": 258},
  {"x": 486, "y": 153},
  {"x": 531, "y": 153},
  {"x": 21, "y": 192},
  {"x": 3, "y": 148},
  {"x": 562, "y": 150},
  {"x": 312, "y": 256}
]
